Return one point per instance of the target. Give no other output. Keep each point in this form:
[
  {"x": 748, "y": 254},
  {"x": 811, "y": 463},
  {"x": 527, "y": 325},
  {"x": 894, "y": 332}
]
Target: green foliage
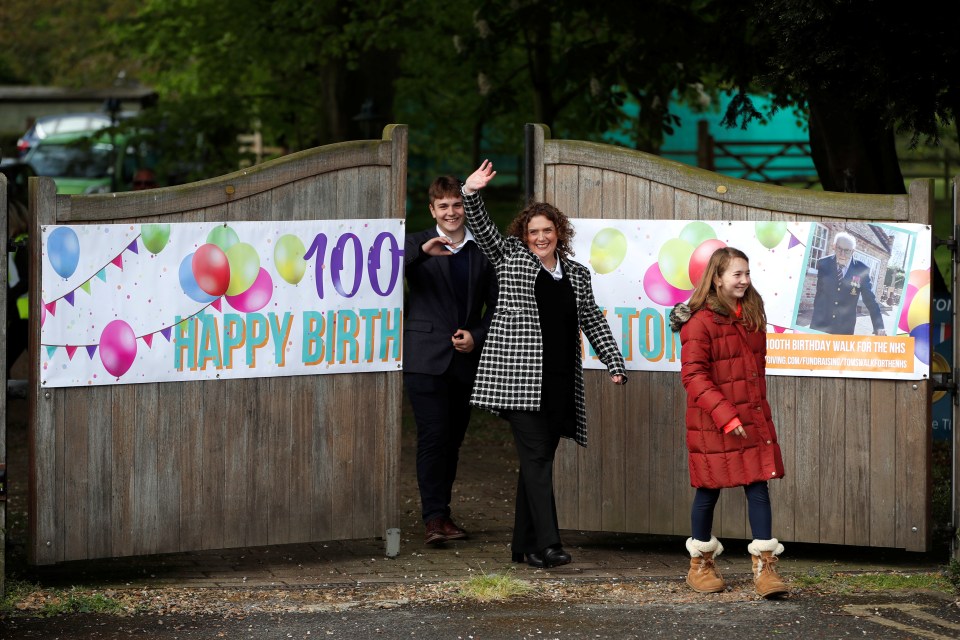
[
  {"x": 14, "y": 592},
  {"x": 849, "y": 583},
  {"x": 493, "y": 586},
  {"x": 467, "y": 76},
  {"x": 953, "y": 574},
  {"x": 52, "y": 602}
]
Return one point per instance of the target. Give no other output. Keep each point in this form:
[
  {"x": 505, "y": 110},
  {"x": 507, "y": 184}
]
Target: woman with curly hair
[
  {"x": 731, "y": 440},
  {"x": 531, "y": 371}
]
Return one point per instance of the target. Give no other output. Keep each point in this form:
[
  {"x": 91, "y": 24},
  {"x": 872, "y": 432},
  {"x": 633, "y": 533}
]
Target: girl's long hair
[{"x": 753, "y": 314}]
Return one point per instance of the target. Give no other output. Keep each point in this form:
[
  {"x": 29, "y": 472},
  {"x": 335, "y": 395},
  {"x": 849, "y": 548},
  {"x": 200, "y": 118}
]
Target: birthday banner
[
  {"x": 127, "y": 303},
  {"x": 641, "y": 269}
]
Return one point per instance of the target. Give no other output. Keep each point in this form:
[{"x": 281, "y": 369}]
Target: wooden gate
[
  {"x": 857, "y": 452},
  {"x": 140, "y": 469}
]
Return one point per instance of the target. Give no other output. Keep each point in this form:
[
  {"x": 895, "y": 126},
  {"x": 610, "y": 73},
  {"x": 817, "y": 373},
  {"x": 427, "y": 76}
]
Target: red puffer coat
[{"x": 723, "y": 371}]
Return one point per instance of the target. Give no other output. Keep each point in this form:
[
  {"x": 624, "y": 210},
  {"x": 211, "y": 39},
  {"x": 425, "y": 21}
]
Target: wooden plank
[
  {"x": 190, "y": 453},
  {"x": 783, "y": 399},
  {"x": 857, "y": 453},
  {"x": 240, "y": 401},
  {"x": 4, "y": 229},
  {"x": 144, "y": 401},
  {"x": 781, "y": 393},
  {"x": 564, "y": 188},
  {"x": 914, "y": 452},
  {"x": 612, "y": 398},
  {"x": 806, "y": 514},
  {"x": 366, "y": 470},
  {"x": 669, "y": 504},
  {"x": 170, "y": 433},
  {"x": 833, "y": 398},
  {"x": 591, "y": 461},
  {"x": 213, "y": 478},
  {"x": 914, "y": 420},
  {"x": 43, "y": 521},
  {"x": 883, "y": 458},
  {"x": 123, "y": 429},
  {"x": 73, "y": 474},
  {"x": 390, "y": 443},
  {"x": 342, "y": 443},
  {"x": 273, "y": 491},
  {"x": 637, "y": 446}
]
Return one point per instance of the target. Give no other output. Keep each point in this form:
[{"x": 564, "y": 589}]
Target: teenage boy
[{"x": 451, "y": 296}]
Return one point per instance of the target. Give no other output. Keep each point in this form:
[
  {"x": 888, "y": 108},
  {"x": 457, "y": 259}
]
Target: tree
[
  {"x": 863, "y": 70},
  {"x": 300, "y": 72}
]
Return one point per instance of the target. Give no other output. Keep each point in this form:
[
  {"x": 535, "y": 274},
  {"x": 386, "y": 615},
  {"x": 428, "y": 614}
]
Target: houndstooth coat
[{"x": 511, "y": 361}]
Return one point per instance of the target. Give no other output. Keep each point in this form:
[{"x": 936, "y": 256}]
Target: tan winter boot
[
  {"x": 765, "y": 576},
  {"x": 703, "y": 576}
]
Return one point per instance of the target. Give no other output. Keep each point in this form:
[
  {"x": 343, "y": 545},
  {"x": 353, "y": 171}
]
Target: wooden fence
[
  {"x": 140, "y": 469},
  {"x": 857, "y": 451}
]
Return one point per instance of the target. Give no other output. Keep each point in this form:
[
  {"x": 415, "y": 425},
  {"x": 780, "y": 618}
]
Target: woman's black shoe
[{"x": 550, "y": 557}]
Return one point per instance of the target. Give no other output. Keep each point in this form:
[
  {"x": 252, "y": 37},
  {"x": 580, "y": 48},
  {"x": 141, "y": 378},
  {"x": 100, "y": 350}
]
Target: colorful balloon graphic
[
  {"x": 661, "y": 291},
  {"x": 918, "y": 278},
  {"x": 696, "y": 233},
  {"x": 905, "y": 309},
  {"x": 63, "y": 248},
  {"x": 211, "y": 269},
  {"x": 701, "y": 257},
  {"x": 921, "y": 342},
  {"x": 118, "y": 347},
  {"x": 608, "y": 249},
  {"x": 288, "y": 258},
  {"x": 256, "y": 297},
  {"x": 155, "y": 236},
  {"x": 223, "y": 236},
  {"x": 674, "y": 260},
  {"x": 770, "y": 233},
  {"x": 244, "y": 267},
  {"x": 189, "y": 283},
  {"x": 919, "y": 311}
]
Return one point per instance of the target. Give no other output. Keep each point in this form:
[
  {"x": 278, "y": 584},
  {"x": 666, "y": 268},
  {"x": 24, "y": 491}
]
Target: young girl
[{"x": 731, "y": 441}]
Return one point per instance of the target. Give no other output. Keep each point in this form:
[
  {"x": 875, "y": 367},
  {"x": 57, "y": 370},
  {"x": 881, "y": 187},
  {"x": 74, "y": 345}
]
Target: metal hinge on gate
[
  {"x": 950, "y": 242},
  {"x": 947, "y": 381}
]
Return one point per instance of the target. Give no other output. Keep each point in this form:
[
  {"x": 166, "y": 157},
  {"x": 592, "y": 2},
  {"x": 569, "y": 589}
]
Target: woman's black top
[{"x": 560, "y": 332}]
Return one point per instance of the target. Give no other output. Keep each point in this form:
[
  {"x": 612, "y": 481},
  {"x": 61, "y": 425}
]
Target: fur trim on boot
[
  {"x": 768, "y": 582},
  {"x": 703, "y": 576}
]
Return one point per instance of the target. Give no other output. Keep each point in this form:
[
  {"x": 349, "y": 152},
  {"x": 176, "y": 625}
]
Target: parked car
[
  {"x": 60, "y": 123},
  {"x": 90, "y": 161}
]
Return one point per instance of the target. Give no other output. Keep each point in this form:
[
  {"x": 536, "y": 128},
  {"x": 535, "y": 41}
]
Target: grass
[
  {"x": 494, "y": 586},
  {"x": 46, "y": 603},
  {"x": 847, "y": 583}
]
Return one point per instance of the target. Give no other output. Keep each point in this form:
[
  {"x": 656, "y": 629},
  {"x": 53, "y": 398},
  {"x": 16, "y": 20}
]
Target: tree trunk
[
  {"x": 649, "y": 134},
  {"x": 540, "y": 63},
  {"x": 852, "y": 151}
]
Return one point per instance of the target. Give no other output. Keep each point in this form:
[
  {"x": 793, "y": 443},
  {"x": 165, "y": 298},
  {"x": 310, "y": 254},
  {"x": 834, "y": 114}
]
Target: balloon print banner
[
  {"x": 196, "y": 301},
  {"x": 873, "y": 322}
]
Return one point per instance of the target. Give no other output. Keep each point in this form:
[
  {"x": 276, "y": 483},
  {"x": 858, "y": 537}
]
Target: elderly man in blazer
[
  {"x": 450, "y": 301},
  {"x": 841, "y": 283}
]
